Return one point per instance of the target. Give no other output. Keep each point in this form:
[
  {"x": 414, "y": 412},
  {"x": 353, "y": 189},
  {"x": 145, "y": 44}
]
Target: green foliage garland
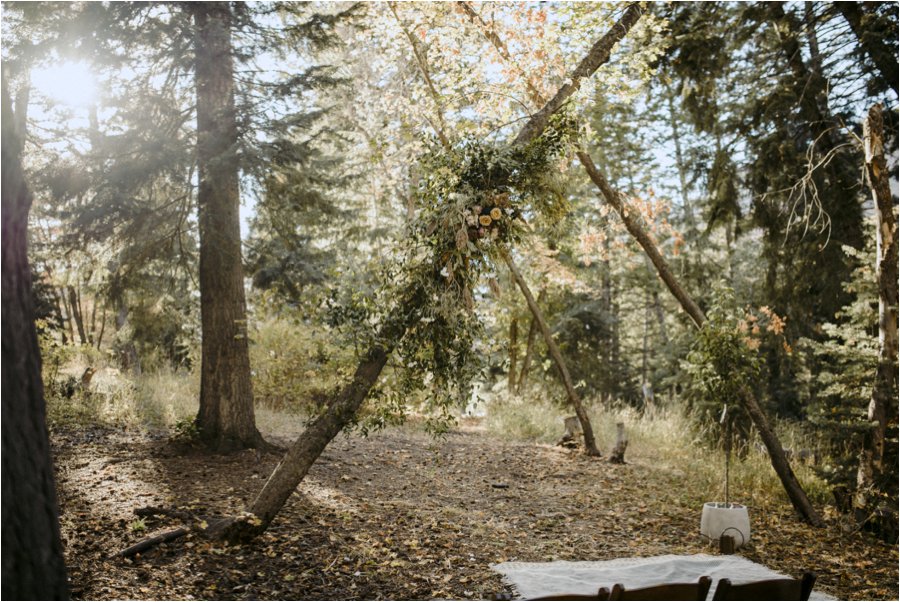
[{"x": 476, "y": 199}]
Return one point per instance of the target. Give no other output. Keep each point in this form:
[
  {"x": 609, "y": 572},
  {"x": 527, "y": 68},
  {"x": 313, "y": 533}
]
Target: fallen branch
[{"x": 153, "y": 541}]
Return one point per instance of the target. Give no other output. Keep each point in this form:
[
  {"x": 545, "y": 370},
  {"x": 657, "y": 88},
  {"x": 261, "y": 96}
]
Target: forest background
[{"x": 354, "y": 135}]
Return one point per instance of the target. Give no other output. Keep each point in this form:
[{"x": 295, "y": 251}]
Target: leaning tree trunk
[
  {"x": 590, "y": 445},
  {"x": 226, "y": 416},
  {"x": 33, "y": 567},
  {"x": 776, "y": 452},
  {"x": 777, "y": 456},
  {"x": 339, "y": 412},
  {"x": 884, "y": 393}
]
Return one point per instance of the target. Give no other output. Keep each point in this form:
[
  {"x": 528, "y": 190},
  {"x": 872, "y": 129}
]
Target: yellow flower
[
  {"x": 496, "y": 214},
  {"x": 485, "y": 220}
]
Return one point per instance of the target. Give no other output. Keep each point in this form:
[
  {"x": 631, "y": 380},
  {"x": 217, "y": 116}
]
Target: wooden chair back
[
  {"x": 666, "y": 591},
  {"x": 770, "y": 589}
]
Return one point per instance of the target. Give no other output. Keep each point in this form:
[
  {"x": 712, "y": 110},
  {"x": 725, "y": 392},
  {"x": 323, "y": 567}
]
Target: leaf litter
[{"x": 399, "y": 515}]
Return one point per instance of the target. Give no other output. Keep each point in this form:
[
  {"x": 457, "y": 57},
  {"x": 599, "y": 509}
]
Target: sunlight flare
[{"x": 70, "y": 83}]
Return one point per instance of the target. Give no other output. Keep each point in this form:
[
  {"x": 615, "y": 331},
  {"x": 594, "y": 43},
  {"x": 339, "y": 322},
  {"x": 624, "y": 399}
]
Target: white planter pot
[{"x": 730, "y": 519}]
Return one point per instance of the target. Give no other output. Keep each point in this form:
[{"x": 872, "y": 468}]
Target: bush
[{"x": 295, "y": 364}]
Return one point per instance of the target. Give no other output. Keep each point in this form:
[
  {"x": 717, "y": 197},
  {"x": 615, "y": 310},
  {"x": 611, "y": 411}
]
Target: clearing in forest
[{"x": 399, "y": 515}]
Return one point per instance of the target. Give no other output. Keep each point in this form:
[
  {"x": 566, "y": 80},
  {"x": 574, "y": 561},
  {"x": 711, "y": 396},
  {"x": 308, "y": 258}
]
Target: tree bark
[
  {"x": 780, "y": 462},
  {"x": 226, "y": 417},
  {"x": 776, "y": 452},
  {"x": 809, "y": 86},
  {"x": 617, "y": 455},
  {"x": 70, "y": 323},
  {"x": 102, "y": 328},
  {"x": 660, "y": 318},
  {"x": 529, "y": 346},
  {"x": 32, "y": 554},
  {"x": 76, "y": 313},
  {"x": 127, "y": 352},
  {"x": 884, "y": 392},
  {"x": 645, "y": 347},
  {"x": 513, "y": 352},
  {"x": 58, "y": 310},
  {"x": 885, "y": 60},
  {"x": 647, "y": 243},
  {"x": 680, "y": 165},
  {"x": 598, "y": 55},
  {"x": 419, "y": 54},
  {"x": 590, "y": 445}
]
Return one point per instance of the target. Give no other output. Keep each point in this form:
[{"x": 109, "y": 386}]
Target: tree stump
[
  {"x": 617, "y": 455},
  {"x": 573, "y": 432}
]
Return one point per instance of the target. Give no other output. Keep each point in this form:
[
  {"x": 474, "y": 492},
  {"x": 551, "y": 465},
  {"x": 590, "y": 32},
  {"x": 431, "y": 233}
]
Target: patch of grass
[
  {"x": 524, "y": 418},
  {"x": 158, "y": 400},
  {"x": 663, "y": 438}
]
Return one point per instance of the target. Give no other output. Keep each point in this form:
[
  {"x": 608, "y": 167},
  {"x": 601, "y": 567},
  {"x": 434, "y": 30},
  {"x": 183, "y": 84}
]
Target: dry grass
[{"x": 665, "y": 438}]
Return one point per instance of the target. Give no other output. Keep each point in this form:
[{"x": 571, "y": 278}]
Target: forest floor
[{"x": 399, "y": 515}]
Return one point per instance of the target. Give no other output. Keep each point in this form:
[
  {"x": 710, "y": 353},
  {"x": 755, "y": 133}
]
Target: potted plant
[{"x": 725, "y": 518}]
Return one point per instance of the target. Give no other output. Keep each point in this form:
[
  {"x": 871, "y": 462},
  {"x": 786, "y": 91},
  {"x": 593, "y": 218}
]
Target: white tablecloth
[{"x": 536, "y": 579}]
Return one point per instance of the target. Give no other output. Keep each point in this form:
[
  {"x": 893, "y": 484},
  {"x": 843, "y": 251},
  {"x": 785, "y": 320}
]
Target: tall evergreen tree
[
  {"x": 33, "y": 567},
  {"x": 226, "y": 416}
]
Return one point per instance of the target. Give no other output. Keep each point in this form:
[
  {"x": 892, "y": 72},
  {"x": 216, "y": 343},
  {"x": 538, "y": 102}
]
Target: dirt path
[{"x": 401, "y": 516}]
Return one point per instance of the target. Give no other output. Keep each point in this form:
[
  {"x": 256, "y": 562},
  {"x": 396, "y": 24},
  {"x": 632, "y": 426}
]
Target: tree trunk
[
  {"x": 69, "y": 325},
  {"x": 32, "y": 553},
  {"x": 884, "y": 392},
  {"x": 617, "y": 455},
  {"x": 128, "y": 355},
  {"x": 645, "y": 347},
  {"x": 660, "y": 318},
  {"x": 680, "y": 165},
  {"x": 75, "y": 306},
  {"x": 226, "y": 416},
  {"x": 529, "y": 346},
  {"x": 102, "y": 327},
  {"x": 58, "y": 310},
  {"x": 647, "y": 243},
  {"x": 590, "y": 446},
  {"x": 93, "y": 327},
  {"x": 311, "y": 443},
  {"x": 598, "y": 54},
  {"x": 606, "y": 296},
  {"x": 513, "y": 351},
  {"x": 881, "y": 54}
]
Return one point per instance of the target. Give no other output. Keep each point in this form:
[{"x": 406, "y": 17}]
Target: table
[{"x": 536, "y": 579}]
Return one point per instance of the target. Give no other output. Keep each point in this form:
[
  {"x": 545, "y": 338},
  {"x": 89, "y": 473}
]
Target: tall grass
[
  {"x": 662, "y": 438},
  {"x": 157, "y": 400}
]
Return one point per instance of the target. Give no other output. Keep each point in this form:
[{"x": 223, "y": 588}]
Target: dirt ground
[{"x": 402, "y": 516}]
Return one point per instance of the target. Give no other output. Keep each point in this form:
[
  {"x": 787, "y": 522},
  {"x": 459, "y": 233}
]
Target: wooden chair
[
  {"x": 666, "y": 591},
  {"x": 770, "y": 589}
]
